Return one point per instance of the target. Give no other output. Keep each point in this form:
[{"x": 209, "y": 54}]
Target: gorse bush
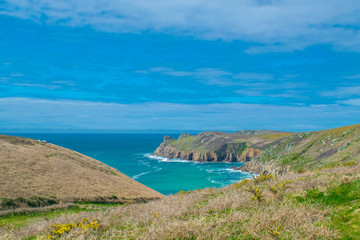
[
  {"x": 85, "y": 225},
  {"x": 263, "y": 177},
  {"x": 257, "y": 194},
  {"x": 280, "y": 187},
  {"x": 241, "y": 183}
]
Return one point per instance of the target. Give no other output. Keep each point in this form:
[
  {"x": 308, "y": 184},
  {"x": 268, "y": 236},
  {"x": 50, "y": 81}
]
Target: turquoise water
[{"x": 131, "y": 154}]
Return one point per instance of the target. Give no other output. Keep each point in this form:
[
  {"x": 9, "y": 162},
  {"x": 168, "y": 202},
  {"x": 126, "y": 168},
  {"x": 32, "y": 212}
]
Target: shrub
[
  {"x": 58, "y": 230},
  {"x": 350, "y": 164},
  {"x": 8, "y": 203},
  {"x": 241, "y": 183},
  {"x": 279, "y": 188},
  {"x": 263, "y": 177},
  {"x": 257, "y": 194}
]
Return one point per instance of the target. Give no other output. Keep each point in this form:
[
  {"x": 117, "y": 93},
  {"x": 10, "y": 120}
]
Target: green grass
[
  {"x": 23, "y": 219},
  {"x": 344, "y": 202},
  {"x": 187, "y": 144}
]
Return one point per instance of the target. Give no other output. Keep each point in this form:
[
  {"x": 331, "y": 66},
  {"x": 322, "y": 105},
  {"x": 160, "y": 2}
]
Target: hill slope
[
  {"x": 49, "y": 174},
  {"x": 320, "y": 204},
  {"x": 321, "y": 201},
  {"x": 308, "y": 151}
]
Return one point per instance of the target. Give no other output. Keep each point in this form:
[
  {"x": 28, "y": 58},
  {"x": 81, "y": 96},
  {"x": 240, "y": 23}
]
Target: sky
[{"x": 118, "y": 65}]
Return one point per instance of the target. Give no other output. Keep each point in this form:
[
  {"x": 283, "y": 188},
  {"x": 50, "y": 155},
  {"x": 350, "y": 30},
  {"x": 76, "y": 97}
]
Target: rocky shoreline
[
  {"x": 262, "y": 168},
  {"x": 224, "y": 152},
  {"x": 244, "y": 146},
  {"x": 212, "y": 156}
]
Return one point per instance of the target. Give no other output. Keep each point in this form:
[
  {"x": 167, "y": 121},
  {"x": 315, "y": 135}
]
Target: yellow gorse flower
[{"x": 57, "y": 230}]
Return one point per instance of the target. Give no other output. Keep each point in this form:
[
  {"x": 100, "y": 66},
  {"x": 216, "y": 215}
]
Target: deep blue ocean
[{"x": 131, "y": 154}]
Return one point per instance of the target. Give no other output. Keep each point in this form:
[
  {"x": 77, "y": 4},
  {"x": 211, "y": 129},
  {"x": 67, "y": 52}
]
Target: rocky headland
[
  {"x": 216, "y": 146},
  {"x": 266, "y": 151}
]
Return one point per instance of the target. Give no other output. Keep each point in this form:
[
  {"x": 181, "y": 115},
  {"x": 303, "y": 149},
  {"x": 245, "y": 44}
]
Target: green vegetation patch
[
  {"x": 22, "y": 219},
  {"x": 344, "y": 201},
  {"x": 296, "y": 161},
  {"x": 33, "y": 201},
  {"x": 187, "y": 144},
  {"x": 238, "y": 147}
]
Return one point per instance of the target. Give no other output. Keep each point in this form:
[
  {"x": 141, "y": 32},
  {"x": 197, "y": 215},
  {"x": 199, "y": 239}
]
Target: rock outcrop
[
  {"x": 209, "y": 147},
  {"x": 258, "y": 132},
  {"x": 263, "y": 168}
]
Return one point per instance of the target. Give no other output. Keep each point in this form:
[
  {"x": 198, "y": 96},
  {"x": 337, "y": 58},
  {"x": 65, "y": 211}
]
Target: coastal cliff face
[
  {"x": 264, "y": 151},
  {"x": 227, "y": 153},
  {"x": 263, "y": 168},
  {"x": 212, "y": 147}
]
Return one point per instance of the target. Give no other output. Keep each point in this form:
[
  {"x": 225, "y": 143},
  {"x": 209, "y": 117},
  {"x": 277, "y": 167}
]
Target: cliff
[
  {"x": 268, "y": 151},
  {"x": 36, "y": 173},
  {"x": 216, "y": 146}
]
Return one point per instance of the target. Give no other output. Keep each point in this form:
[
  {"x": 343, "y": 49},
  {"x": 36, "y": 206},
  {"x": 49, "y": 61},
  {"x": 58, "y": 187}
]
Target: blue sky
[{"x": 193, "y": 64}]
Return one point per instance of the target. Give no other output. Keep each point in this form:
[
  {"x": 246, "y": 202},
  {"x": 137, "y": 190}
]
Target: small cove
[{"x": 131, "y": 154}]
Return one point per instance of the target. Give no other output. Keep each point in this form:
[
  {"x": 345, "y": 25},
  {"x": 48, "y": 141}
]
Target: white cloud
[
  {"x": 16, "y": 75},
  {"x": 353, "y": 76},
  {"x": 36, "y": 85},
  {"x": 282, "y": 25},
  {"x": 57, "y": 114},
  {"x": 342, "y": 92},
  {"x": 352, "y": 102},
  {"x": 212, "y": 76}
]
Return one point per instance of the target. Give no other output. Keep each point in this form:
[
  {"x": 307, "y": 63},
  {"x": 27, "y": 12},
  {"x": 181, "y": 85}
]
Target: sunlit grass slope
[
  {"x": 319, "y": 204},
  {"x": 35, "y": 174}
]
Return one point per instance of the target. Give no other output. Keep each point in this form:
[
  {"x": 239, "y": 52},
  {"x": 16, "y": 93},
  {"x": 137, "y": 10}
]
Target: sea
[{"x": 131, "y": 154}]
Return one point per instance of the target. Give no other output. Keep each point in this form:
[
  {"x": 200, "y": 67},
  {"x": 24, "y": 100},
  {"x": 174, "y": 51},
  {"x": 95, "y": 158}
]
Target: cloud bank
[
  {"x": 31, "y": 113},
  {"x": 270, "y": 25}
]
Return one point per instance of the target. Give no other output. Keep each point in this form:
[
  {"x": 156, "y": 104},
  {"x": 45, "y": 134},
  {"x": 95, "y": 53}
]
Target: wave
[
  {"x": 144, "y": 163},
  {"x": 164, "y": 159},
  {"x": 148, "y": 155},
  {"x": 139, "y": 175},
  {"x": 216, "y": 182}
]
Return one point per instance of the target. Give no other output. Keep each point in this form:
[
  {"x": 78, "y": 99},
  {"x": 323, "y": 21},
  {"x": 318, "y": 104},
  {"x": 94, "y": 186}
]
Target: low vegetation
[
  {"x": 309, "y": 151},
  {"x": 321, "y": 204}
]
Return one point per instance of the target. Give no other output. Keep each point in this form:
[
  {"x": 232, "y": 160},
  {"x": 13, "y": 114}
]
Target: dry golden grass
[
  {"x": 34, "y": 168},
  {"x": 226, "y": 213}
]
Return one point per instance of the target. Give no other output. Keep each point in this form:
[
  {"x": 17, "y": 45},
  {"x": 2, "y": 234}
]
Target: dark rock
[{"x": 168, "y": 139}]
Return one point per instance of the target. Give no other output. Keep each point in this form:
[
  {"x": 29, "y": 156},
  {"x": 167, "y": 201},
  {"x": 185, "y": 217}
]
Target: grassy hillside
[
  {"x": 313, "y": 150},
  {"x": 321, "y": 204},
  {"x": 320, "y": 199},
  {"x": 212, "y": 141},
  {"x": 35, "y": 174},
  {"x": 219, "y": 146}
]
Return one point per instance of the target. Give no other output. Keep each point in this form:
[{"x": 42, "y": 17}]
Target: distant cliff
[
  {"x": 215, "y": 146},
  {"x": 308, "y": 151},
  {"x": 268, "y": 151}
]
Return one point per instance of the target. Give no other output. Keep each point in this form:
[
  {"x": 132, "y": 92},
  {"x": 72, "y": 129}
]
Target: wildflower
[
  {"x": 57, "y": 230},
  {"x": 257, "y": 195}
]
